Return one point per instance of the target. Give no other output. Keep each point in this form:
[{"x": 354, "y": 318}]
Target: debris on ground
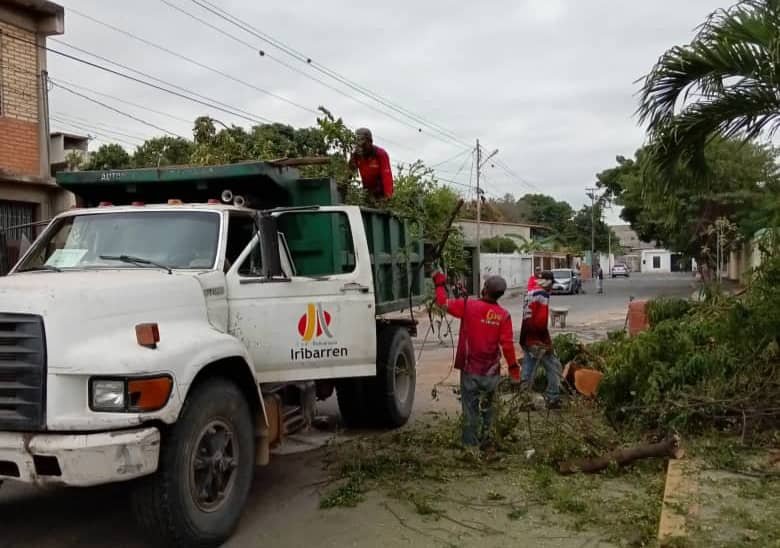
[{"x": 708, "y": 370}]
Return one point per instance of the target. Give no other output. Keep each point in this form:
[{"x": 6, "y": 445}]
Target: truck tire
[
  {"x": 353, "y": 404},
  {"x": 207, "y": 463},
  {"x": 396, "y": 377}
]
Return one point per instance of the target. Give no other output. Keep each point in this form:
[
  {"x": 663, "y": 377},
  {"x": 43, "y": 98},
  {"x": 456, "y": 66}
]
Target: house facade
[{"x": 28, "y": 193}]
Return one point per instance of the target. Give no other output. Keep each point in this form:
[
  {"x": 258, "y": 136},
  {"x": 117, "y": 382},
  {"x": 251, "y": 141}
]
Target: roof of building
[
  {"x": 502, "y": 223},
  {"x": 46, "y": 18},
  {"x": 42, "y": 7},
  {"x": 69, "y": 135}
]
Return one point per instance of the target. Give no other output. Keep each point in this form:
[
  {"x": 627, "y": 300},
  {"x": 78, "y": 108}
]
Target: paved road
[{"x": 283, "y": 497}]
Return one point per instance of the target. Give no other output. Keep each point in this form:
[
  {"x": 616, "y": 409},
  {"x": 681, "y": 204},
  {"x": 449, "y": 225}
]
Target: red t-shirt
[
  {"x": 376, "y": 173},
  {"x": 484, "y": 328},
  {"x": 532, "y": 283},
  {"x": 536, "y": 314}
]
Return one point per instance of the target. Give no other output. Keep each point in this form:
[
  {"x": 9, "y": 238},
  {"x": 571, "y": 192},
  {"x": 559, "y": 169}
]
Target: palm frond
[{"x": 734, "y": 47}]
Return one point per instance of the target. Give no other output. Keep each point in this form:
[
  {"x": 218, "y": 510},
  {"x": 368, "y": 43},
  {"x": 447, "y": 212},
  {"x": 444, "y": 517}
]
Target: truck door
[{"x": 318, "y": 321}]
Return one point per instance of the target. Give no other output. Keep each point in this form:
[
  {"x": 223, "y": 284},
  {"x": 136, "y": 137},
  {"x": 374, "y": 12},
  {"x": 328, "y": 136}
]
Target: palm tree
[{"x": 725, "y": 82}]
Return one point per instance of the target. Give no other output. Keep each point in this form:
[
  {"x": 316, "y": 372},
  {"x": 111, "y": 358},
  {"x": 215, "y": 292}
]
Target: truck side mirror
[{"x": 269, "y": 246}]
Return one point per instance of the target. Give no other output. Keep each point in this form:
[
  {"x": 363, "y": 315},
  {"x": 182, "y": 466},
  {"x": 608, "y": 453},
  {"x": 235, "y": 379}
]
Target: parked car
[
  {"x": 620, "y": 270},
  {"x": 566, "y": 280}
]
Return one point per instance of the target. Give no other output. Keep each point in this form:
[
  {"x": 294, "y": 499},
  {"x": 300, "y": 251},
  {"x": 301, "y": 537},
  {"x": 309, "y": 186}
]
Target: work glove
[{"x": 439, "y": 279}]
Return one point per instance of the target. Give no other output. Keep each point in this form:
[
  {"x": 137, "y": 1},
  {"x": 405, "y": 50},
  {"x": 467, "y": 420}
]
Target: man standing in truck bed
[
  {"x": 373, "y": 163},
  {"x": 485, "y": 332}
]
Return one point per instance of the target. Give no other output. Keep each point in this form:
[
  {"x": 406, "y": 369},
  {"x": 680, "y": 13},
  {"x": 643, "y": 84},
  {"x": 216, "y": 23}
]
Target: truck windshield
[{"x": 174, "y": 239}]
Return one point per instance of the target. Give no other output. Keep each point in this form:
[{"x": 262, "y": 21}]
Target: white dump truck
[{"x": 173, "y": 346}]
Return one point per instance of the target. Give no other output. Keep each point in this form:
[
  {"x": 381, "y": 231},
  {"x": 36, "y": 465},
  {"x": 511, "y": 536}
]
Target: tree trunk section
[{"x": 670, "y": 447}]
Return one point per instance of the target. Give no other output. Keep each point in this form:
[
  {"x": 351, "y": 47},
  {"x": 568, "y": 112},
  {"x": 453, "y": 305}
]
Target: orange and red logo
[{"x": 315, "y": 323}]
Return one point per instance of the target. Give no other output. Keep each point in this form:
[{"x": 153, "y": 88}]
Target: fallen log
[{"x": 670, "y": 447}]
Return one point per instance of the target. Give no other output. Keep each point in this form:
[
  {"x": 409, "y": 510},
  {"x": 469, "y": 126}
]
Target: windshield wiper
[
  {"x": 135, "y": 260},
  {"x": 46, "y": 267}
]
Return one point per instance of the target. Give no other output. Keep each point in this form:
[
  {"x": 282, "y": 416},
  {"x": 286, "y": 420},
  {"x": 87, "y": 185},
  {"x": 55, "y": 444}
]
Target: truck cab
[{"x": 176, "y": 344}]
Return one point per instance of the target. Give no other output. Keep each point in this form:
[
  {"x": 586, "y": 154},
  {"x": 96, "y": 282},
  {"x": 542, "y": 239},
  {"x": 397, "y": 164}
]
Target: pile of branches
[{"x": 714, "y": 363}]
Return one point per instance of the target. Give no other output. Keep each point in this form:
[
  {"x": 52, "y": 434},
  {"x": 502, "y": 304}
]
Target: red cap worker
[
  {"x": 485, "y": 332},
  {"x": 373, "y": 163}
]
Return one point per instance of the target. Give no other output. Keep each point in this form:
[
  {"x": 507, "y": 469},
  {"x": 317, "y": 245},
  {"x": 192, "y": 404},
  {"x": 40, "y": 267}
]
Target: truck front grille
[{"x": 22, "y": 372}]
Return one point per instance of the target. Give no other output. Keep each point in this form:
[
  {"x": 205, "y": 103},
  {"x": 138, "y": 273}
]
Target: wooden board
[{"x": 678, "y": 505}]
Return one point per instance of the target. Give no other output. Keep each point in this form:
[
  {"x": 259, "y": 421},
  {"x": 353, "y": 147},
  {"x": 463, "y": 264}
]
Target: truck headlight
[
  {"x": 130, "y": 395},
  {"x": 107, "y": 395}
]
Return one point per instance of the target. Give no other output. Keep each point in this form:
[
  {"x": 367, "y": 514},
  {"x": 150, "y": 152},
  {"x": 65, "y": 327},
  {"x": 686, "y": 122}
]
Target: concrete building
[
  {"x": 656, "y": 260},
  {"x": 27, "y": 191},
  {"x": 62, "y": 146},
  {"x": 747, "y": 257},
  {"x": 630, "y": 248},
  {"x": 521, "y": 233}
]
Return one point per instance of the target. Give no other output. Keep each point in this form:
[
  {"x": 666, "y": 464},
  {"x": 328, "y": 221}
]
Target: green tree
[
  {"x": 163, "y": 151},
  {"x": 111, "y": 156},
  {"x": 499, "y": 244},
  {"x": 420, "y": 197},
  {"x": 576, "y": 234},
  {"x": 507, "y": 205},
  {"x": 726, "y": 81},
  {"x": 678, "y": 210},
  {"x": 225, "y": 146},
  {"x": 488, "y": 211},
  {"x": 544, "y": 210}
]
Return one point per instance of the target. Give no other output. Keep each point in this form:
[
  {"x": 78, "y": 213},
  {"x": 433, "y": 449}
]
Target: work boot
[{"x": 554, "y": 404}]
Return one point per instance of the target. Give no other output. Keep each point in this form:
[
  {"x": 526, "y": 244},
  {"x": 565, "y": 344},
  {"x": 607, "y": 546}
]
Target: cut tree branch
[{"x": 670, "y": 447}]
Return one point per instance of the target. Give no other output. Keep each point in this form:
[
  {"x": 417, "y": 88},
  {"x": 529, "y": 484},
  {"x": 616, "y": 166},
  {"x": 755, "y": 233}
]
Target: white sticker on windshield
[{"x": 66, "y": 258}]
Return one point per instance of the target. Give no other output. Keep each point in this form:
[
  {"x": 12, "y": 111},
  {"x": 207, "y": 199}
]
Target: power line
[
  {"x": 258, "y": 34},
  {"x": 448, "y": 160},
  {"x": 210, "y": 102},
  {"x": 76, "y": 121},
  {"x": 118, "y": 111},
  {"x": 138, "y": 80},
  {"x": 120, "y": 100},
  {"x": 75, "y": 129},
  {"x": 283, "y": 63},
  {"x": 509, "y": 171},
  {"x": 193, "y": 61},
  {"x": 224, "y": 14}
]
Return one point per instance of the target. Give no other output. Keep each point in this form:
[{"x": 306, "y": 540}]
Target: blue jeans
[
  {"x": 476, "y": 398},
  {"x": 552, "y": 369}
]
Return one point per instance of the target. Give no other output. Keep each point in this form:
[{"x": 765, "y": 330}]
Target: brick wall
[
  {"x": 19, "y": 146},
  {"x": 18, "y": 69},
  {"x": 19, "y": 143}
]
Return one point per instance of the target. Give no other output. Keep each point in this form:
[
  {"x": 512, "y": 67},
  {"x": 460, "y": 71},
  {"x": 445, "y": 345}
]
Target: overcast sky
[{"x": 549, "y": 83}]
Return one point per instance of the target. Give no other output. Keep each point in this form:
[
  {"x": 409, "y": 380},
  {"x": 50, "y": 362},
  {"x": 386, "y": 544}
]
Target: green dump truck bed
[{"x": 395, "y": 255}]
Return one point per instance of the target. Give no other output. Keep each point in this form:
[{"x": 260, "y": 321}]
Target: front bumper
[{"x": 79, "y": 459}]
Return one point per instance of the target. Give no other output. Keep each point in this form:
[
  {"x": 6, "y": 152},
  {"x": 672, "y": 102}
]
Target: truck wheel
[
  {"x": 396, "y": 377},
  {"x": 207, "y": 462},
  {"x": 353, "y": 404}
]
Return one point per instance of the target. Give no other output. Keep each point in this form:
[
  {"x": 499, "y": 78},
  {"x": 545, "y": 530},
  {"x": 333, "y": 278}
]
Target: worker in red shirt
[
  {"x": 536, "y": 342},
  {"x": 533, "y": 279},
  {"x": 485, "y": 332},
  {"x": 373, "y": 163}
]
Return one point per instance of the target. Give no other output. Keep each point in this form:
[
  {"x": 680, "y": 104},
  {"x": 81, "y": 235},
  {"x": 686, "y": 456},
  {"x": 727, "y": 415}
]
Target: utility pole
[
  {"x": 591, "y": 192},
  {"x": 479, "y": 218},
  {"x": 480, "y": 162}
]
